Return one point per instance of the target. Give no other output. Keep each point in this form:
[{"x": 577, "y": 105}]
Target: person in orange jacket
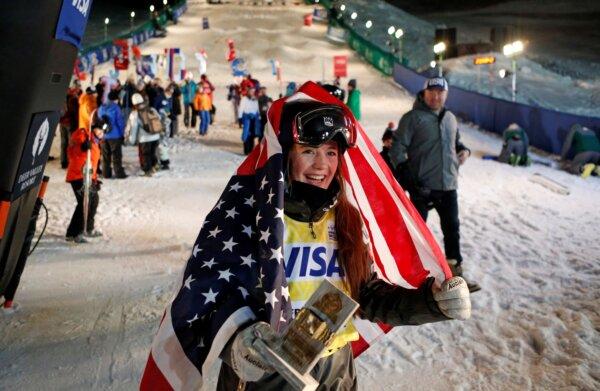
[
  {"x": 203, "y": 105},
  {"x": 87, "y": 105},
  {"x": 81, "y": 141}
]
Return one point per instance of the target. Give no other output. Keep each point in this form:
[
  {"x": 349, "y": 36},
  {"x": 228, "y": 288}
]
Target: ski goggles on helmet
[{"x": 322, "y": 124}]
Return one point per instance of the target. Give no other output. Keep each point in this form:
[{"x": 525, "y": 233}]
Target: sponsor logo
[
  {"x": 454, "y": 283},
  {"x": 328, "y": 121},
  {"x": 83, "y": 6},
  {"x": 41, "y": 138},
  {"x": 312, "y": 261}
]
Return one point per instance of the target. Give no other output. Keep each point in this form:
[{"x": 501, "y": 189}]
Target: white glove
[
  {"x": 453, "y": 298},
  {"x": 246, "y": 361}
]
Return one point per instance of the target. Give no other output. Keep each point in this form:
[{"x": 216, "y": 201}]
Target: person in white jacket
[
  {"x": 147, "y": 142},
  {"x": 249, "y": 114}
]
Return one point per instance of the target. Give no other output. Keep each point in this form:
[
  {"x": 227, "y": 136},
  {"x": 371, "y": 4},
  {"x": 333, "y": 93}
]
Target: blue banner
[
  {"x": 72, "y": 21},
  {"x": 238, "y": 67}
]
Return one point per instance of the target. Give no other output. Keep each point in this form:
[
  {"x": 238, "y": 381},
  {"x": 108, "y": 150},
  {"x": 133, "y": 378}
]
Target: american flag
[{"x": 236, "y": 271}]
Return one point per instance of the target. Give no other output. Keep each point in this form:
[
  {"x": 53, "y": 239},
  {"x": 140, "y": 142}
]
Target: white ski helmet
[{"x": 137, "y": 99}]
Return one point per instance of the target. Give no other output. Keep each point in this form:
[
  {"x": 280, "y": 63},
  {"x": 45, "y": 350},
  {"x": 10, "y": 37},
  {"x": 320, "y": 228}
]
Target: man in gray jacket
[{"x": 426, "y": 153}]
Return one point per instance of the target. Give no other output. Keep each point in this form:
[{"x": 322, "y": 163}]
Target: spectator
[
  {"x": 584, "y": 145},
  {"x": 264, "y": 102},
  {"x": 69, "y": 120},
  {"x": 81, "y": 142},
  {"x": 87, "y": 106},
  {"x": 175, "y": 93},
  {"x": 188, "y": 90},
  {"x": 203, "y": 104},
  {"x": 234, "y": 97},
  {"x": 247, "y": 83},
  {"x": 354, "y": 99},
  {"x": 426, "y": 153},
  {"x": 139, "y": 133},
  {"x": 338, "y": 84},
  {"x": 208, "y": 86},
  {"x": 112, "y": 154},
  {"x": 249, "y": 114},
  {"x": 386, "y": 139}
]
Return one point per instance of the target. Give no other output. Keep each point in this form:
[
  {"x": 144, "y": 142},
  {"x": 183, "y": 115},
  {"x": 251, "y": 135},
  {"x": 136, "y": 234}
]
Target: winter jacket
[
  {"x": 580, "y": 139},
  {"x": 353, "y": 103},
  {"x": 115, "y": 118},
  {"x": 426, "y": 144},
  {"x": 202, "y": 102},
  {"x": 77, "y": 153},
  {"x": 248, "y": 106},
  {"x": 135, "y": 131},
  {"x": 87, "y": 105},
  {"x": 379, "y": 301},
  {"x": 188, "y": 91},
  {"x": 176, "y": 100}
]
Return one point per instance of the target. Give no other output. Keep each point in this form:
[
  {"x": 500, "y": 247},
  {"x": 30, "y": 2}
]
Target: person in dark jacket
[
  {"x": 176, "y": 110},
  {"x": 584, "y": 145},
  {"x": 353, "y": 101},
  {"x": 112, "y": 154},
  {"x": 312, "y": 203},
  {"x": 387, "y": 139},
  {"x": 264, "y": 102},
  {"x": 426, "y": 153}
]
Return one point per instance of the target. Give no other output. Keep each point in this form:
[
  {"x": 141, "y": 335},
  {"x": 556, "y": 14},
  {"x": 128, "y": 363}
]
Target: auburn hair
[{"x": 353, "y": 253}]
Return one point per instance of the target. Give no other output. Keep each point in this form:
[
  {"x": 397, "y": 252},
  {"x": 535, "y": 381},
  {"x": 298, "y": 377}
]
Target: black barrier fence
[{"x": 546, "y": 128}]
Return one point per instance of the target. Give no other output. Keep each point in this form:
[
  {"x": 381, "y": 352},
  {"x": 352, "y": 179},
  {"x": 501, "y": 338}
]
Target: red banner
[{"x": 340, "y": 66}]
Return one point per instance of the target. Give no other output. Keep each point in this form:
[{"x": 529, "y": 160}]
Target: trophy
[{"x": 297, "y": 351}]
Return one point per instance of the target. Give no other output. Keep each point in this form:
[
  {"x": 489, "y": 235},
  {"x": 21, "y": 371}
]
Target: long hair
[{"x": 353, "y": 253}]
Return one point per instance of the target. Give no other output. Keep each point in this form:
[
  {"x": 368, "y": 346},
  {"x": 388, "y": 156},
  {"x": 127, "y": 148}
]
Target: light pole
[
  {"x": 399, "y": 34},
  {"x": 353, "y": 16},
  {"x": 151, "y": 10},
  {"x": 106, "y": 22},
  {"x": 511, "y": 50},
  {"x": 131, "y": 17},
  {"x": 439, "y": 49}
]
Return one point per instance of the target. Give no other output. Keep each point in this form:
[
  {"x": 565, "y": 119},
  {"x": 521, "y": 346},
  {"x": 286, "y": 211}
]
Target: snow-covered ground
[{"x": 89, "y": 312}]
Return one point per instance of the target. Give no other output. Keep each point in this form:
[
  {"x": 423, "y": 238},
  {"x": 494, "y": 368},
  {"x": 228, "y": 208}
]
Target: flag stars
[
  {"x": 250, "y": 201},
  {"x": 235, "y": 187},
  {"x": 281, "y": 179},
  {"x": 277, "y": 254},
  {"x": 279, "y": 213},
  {"x": 264, "y": 235},
  {"x": 218, "y": 206},
  {"x": 231, "y": 213},
  {"x": 188, "y": 282},
  {"x": 228, "y": 245},
  {"x": 270, "y": 196},
  {"x": 190, "y": 321},
  {"x": 285, "y": 292},
  {"x": 201, "y": 344},
  {"x": 271, "y": 297},
  {"x": 210, "y": 296},
  {"x": 214, "y": 232},
  {"x": 258, "y": 217},
  {"x": 209, "y": 264},
  {"x": 225, "y": 274},
  {"x": 243, "y": 291},
  {"x": 196, "y": 250},
  {"x": 264, "y": 182},
  {"x": 248, "y": 261},
  {"x": 247, "y": 229}
]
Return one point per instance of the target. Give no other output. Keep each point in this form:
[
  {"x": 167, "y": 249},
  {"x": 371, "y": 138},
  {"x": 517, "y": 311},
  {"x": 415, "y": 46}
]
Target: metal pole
[
  {"x": 131, "y": 25},
  {"x": 514, "y": 80},
  {"x": 105, "y": 32}
]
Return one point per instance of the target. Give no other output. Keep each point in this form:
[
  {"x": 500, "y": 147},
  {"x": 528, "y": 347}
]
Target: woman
[
  {"x": 249, "y": 115},
  {"x": 203, "y": 105},
  {"x": 251, "y": 269}
]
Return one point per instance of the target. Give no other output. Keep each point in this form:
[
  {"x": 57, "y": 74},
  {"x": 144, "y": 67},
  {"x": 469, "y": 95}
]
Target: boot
[
  {"x": 456, "y": 269},
  {"x": 587, "y": 170}
]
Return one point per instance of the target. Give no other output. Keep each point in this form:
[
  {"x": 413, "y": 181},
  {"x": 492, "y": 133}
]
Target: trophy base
[{"x": 297, "y": 380}]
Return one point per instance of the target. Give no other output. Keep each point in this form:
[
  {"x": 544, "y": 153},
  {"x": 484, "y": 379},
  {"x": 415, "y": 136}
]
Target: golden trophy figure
[{"x": 302, "y": 344}]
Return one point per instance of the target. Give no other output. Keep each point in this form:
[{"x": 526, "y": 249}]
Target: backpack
[{"x": 151, "y": 121}]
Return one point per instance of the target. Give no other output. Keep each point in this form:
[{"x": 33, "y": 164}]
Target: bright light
[
  {"x": 391, "y": 30},
  {"x": 165, "y": 2},
  {"x": 343, "y": 7},
  {"x": 439, "y": 47},
  {"x": 152, "y": 8},
  {"x": 399, "y": 33},
  {"x": 106, "y": 21},
  {"x": 353, "y": 16},
  {"x": 368, "y": 24},
  {"x": 316, "y": 1},
  {"x": 132, "y": 14},
  {"x": 502, "y": 73},
  {"x": 433, "y": 64},
  {"x": 513, "y": 48}
]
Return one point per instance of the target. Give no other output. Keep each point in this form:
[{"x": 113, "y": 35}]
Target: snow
[{"x": 89, "y": 312}]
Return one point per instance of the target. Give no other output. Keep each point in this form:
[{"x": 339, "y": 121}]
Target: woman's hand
[
  {"x": 453, "y": 298},
  {"x": 246, "y": 361}
]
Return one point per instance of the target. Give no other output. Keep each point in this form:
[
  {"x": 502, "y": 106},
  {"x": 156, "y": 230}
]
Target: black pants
[
  {"x": 189, "y": 109},
  {"x": 263, "y": 123},
  {"x": 15, "y": 279},
  {"x": 249, "y": 143},
  {"x": 76, "y": 225},
  {"x": 65, "y": 134},
  {"x": 112, "y": 153},
  {"x": 147, "y": 153},
  {"x": 446, "y": 205}
]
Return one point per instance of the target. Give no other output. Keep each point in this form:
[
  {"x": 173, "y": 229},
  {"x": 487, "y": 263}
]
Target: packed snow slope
[{"x": 89, "y": 312}]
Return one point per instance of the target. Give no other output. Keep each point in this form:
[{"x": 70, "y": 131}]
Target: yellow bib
[{"x": 311, "y": 256}]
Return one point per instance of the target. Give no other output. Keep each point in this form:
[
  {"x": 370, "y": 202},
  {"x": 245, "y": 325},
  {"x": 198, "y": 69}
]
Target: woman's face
[{"x": 314, "y": 165}]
